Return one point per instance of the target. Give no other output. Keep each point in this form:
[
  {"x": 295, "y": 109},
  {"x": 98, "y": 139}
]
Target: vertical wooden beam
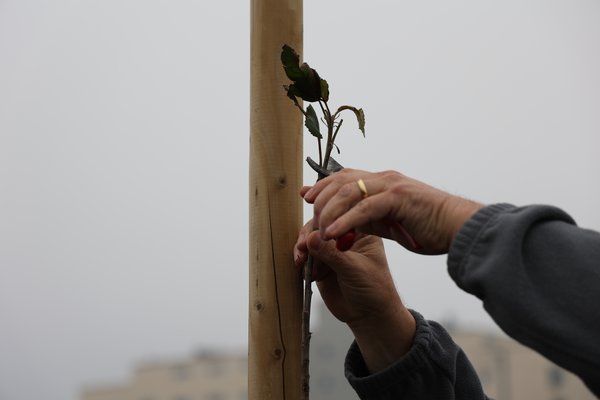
[{"x": 275, "y": 306}]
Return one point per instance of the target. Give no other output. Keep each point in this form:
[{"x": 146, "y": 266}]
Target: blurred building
[
  {"x": 508, "y": 371},
  {"x": 329, "y": 345},
  {"x": 204, "y": 377}
]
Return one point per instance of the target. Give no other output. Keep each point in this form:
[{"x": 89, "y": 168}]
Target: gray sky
[{"x": 119, "y": 241}]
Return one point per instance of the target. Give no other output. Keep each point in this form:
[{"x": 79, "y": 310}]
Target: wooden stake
[{"x": 275, "y": 305}]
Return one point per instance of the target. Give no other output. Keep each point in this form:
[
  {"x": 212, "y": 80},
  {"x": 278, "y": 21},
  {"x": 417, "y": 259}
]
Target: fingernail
[
  {"x": 308, "y": 194},
  {"x": 299, "y": 258}
]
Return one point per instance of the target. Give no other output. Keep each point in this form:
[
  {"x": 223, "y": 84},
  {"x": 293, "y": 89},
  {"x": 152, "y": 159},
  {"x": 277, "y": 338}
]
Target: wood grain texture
[{"x": 275, "y": 303}]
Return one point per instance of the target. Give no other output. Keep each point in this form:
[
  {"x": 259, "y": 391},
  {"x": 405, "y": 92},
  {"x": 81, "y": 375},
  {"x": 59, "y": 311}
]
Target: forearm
[
  {"x": 535, "y": 270},
  {"x": 382, "y": 343}
]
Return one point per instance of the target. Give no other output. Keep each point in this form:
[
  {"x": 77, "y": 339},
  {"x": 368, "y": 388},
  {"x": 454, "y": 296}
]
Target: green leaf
[
  {"x": 289, "y": 92},
  {"x": 307, "y": 85},
  {"x": 312, "y": 122},
  {"x": 291, "y": 63},
  {"x": 292, "y": 92},
  {"x": 309, "y": 88},
  {"x": 324, "y": 90},
  {"x": 360, "y": 116}
]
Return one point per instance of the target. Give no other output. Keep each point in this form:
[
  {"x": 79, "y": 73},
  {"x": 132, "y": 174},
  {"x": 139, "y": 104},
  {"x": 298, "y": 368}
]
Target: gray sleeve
[
  {"x": 538, "y": 275},
  {"x": 434, "y": 368}
]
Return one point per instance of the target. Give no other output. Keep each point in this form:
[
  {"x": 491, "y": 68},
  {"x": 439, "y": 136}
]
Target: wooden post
[{"x": 275, "y": 306}]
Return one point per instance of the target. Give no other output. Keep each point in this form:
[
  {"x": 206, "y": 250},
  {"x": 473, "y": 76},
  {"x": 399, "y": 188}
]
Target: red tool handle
[{"x": 345, "y": 242}]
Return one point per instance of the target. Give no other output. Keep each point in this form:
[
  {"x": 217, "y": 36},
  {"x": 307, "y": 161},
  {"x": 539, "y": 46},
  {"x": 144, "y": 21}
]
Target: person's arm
[
  {"x": 397, "y": 354},
  {"x": 536, "y": 271},
  {"x": 538, "y": 275},
  {"x": 434, "y": 368}
]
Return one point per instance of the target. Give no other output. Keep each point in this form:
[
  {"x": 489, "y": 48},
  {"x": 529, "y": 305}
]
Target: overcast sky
[{"x": 124, "y": 153}]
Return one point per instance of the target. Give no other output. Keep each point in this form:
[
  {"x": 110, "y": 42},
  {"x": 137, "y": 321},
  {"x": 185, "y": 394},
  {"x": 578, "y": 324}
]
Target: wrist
[
  {"x": 458, "y": 211},
  {"x": 384, "y": 340}
]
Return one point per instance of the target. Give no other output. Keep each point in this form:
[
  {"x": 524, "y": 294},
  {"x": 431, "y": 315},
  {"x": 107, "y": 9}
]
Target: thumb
[{"x": 325, "y": 252}]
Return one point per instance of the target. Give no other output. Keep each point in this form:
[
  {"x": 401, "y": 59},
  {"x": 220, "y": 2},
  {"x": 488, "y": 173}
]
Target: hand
[
  {"x": 358, "y": 289},
  {"x": 421, "y": 218}
]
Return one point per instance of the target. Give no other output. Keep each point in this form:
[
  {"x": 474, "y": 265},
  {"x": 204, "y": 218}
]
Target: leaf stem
[
  {"x": 332, "y": 118},
  {"x": 320, "y": 152},
  {"x": 329, "y": 122},
  {"x": 337, "y": 129},
  {"x": 327, "y": 118},
  {"x": 300, "y": 108},
  {"x": 330, "y": 139}
]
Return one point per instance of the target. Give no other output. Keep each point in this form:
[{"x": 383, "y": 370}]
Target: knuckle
[
  {"x": 363, "y": 207},
  {"x": 346, "y": 190},
  {"x": 318, "y": 206},
  {"x": 391, "y": 174},
  {"x": 397, "y": 189}
]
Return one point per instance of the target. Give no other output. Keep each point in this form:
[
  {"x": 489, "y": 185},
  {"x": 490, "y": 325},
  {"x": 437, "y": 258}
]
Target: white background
[{"x": 124, "y": 154}]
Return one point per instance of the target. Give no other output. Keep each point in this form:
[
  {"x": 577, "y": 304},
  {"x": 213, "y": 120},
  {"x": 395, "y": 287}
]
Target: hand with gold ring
[{"x": 388, "y": 204}]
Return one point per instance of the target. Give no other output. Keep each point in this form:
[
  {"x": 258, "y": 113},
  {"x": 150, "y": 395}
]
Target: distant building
[
  {"x": 329, "y": 345},
  {"x": 205, "y": 377},
  {"x": 508, "y": 371}
]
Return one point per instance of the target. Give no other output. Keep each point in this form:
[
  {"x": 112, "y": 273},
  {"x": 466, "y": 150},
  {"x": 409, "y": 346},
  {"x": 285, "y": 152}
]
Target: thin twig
[
  {"x": 308, "y": 268},
  {"x": 306, "y": 335}
]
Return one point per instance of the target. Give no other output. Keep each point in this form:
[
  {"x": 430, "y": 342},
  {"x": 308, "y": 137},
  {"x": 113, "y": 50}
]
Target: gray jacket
[{"x": 538, "y": 275}]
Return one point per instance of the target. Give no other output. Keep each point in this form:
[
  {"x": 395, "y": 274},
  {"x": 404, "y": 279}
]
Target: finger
[
  {"x": 307, "y": 228},
  {"x": 377, "y": 223},
  {"x": 311, "y": 194},
  {"x": 316, "y": 190},
  {"x": 365, "y": 212},
  {"x": 300, "y": 247},
  {"x": 326, "y": 253},
  {"x": 300, "y": 251},
  {"x": 347, "y": 197},
  {"x": 323, "y": 198},
  {"x": 343, "y": 179},
  {"x": 320, "y": 271},
  {"x": 304, "y": 190}
]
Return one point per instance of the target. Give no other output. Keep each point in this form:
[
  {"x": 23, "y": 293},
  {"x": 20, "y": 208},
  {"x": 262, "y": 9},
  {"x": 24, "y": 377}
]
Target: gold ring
[{"x": 362, "y": 188}]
